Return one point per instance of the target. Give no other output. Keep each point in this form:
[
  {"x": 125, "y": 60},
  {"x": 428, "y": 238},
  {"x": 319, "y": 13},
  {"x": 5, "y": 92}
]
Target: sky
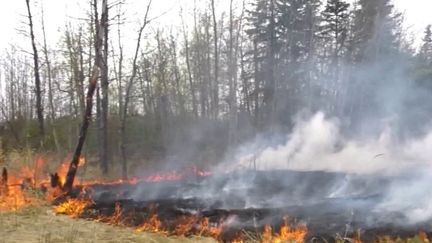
[{"x": 58, "y": 12}]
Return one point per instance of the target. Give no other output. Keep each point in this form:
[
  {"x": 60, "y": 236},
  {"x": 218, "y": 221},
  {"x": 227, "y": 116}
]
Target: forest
[{"x": 193, "y": 94}]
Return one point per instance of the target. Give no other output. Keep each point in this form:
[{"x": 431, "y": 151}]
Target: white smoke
[{"x": 317, "y": 144}]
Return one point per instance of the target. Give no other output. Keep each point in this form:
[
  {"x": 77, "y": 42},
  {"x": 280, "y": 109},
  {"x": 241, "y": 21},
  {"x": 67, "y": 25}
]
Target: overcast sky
[{"x": 58, "y": 12}]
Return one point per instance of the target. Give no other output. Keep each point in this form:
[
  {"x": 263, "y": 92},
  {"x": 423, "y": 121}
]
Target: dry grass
[
  {"x": 15, "y": 160},
  {"x": 37, "y": 223},
  {"x": 40, "y": 225}
]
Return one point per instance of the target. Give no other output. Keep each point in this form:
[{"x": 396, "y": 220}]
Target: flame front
[
  {"x": 151, "y": 223},
  {"x": 73, "y": 207},
  {"x": 285, "y": 234},
  {"x": 13, "y": 196}
]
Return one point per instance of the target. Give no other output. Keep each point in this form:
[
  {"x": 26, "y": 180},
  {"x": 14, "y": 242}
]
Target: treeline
[{"x": 197, "y": 91}]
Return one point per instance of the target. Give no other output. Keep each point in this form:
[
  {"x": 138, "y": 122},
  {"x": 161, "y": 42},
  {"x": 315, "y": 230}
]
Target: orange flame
[
  {"x": 73, "y": 207},
  {"x": 12, "y": 197},
  {"x": 285, "y": 234},
  {"x": 116, "y": 218},
  {"x": 184, "y": 225},
  {"x": 207, "y": 229},
  {"x": 151, "y": 224}
]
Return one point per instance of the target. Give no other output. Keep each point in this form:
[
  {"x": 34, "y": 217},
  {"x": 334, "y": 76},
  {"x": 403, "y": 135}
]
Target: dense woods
[{"x": 192, "y": 93}]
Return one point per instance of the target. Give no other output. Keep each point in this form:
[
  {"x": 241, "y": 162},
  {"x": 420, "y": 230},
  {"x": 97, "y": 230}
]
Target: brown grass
[
  {"x": 37, "y": 223},
  {"x": 40, "y": 225}
]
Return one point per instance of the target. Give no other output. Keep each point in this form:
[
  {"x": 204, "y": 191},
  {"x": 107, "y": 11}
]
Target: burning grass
[
  {"x": 39, "y": 224},
  {"x": 26, "y": 192},
  {"x": 195, "y": 225}
]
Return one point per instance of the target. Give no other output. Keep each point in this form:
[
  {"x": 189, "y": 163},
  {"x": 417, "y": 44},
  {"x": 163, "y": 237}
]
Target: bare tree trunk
[
  {"x": 80, "y": 77},
  {"x": 98, "y": 44},
  {"x": 176, "y": 71},
  {"x": 256, "y": 84},
  {"x": 216, "y": 65},
  {"x": 129, "y": 86},
  {"x": 200, "y": 64},
  {"x": 50, "y": 89},
  {"x": 38, "y": 91},
  {"x": 189, "y": 72},
  {"x": 270, "y": 85},
  {"x": 103, "y": 66},
  {"x": 119, "y": 72},
  {"x": 232, "y": 72},
  {"x": 70, "y": 176}
]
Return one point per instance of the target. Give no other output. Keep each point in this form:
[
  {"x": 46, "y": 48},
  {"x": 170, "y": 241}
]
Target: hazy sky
[{"x": 57, "y": 12}]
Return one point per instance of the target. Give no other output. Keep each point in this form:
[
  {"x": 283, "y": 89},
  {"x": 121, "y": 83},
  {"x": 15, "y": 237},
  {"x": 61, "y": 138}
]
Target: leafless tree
[{"x": 38, "y": 90}]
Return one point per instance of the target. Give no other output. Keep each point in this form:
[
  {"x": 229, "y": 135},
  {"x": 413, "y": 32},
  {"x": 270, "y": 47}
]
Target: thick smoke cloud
[
  {"x": 317, "y": 143},
  {"x": 392, "y": 174}
]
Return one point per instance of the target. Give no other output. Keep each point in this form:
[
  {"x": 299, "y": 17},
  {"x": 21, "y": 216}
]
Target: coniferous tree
[
  {"x": 426, "y": 48},
  {"x": 423, "y": 71},
  {"x": 333, "y": 31}
]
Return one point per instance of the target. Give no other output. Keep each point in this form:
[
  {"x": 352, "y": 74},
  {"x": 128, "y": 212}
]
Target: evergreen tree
[
  {"x": 425, "y": 53},
  {"x": 262, "y": 30},
  {"x": 423, "y": 69},
  {"x": 297, "y": 26},
  {"x": 334, "y": 28},
  {"x": 375, "y": 44},
  {"x": 375, "y": 30},
  {"x": 333, "y": 32}
]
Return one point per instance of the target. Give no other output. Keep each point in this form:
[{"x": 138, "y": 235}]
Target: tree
[
  {"x": 262, "y": 31},
  {"x": 375, "y": 30},
  {"x": 73, "y": 166},
  {"x": 38, "y": 90},
  {"x": 189, "y": 70},
  {"x": 423, "y": 67},
  {"x": 426, "y": 48},
  {"x": 215, "y": 99},
  {"x": 127, "y": 97},
  {"x": 235, "y": 28},
  {"x": 50, "y": 84},
  {"x": 374, "y": 45},
  {"x": 102, "y": 63},
  {"x": 334, "y": 32},
  {"x": 335, "y": 29}
]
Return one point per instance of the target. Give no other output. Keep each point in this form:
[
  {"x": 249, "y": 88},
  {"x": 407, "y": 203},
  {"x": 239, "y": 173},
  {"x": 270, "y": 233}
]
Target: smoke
[
  {"x": 317, "y": 143},
  {"x": 398, "y": 170},
  {"x": 365, "y": 148}
]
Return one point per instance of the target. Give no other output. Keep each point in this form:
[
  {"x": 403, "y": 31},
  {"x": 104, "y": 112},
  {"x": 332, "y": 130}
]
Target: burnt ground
[{"x": 328, "y": 203}]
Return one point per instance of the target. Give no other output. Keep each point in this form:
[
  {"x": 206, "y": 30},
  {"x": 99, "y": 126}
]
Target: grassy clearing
[{"x": 40, "y": 225}]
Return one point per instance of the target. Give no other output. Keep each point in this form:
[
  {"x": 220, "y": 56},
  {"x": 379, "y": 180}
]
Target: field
[
  {"x": 35, "y": 221},
  {"x": 38, "y": 224}
]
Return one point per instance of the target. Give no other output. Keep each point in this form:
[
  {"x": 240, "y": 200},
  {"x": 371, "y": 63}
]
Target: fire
[
  {"x": 12, "y": 197},
  {"x": 13, "y": 189},
  {"x": 423, "y": 236},
  {"x": 285, "y": 234},
  {"x": 238, "y": 238},
  {"x": 177, "y": 175},
  {"x": 73, "y": 207},
  {"x": 184, "y": 225},
  {"x": 152, "y": 223},
  {"x": 17, "y": 190},
  {"x": 207, "y": 229},
  {"x": 173, "y": 175},
  {"x": 16, "y": 187},
  {"x": 81, "y": 161},
  {"x": 116, "y": 218}
]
